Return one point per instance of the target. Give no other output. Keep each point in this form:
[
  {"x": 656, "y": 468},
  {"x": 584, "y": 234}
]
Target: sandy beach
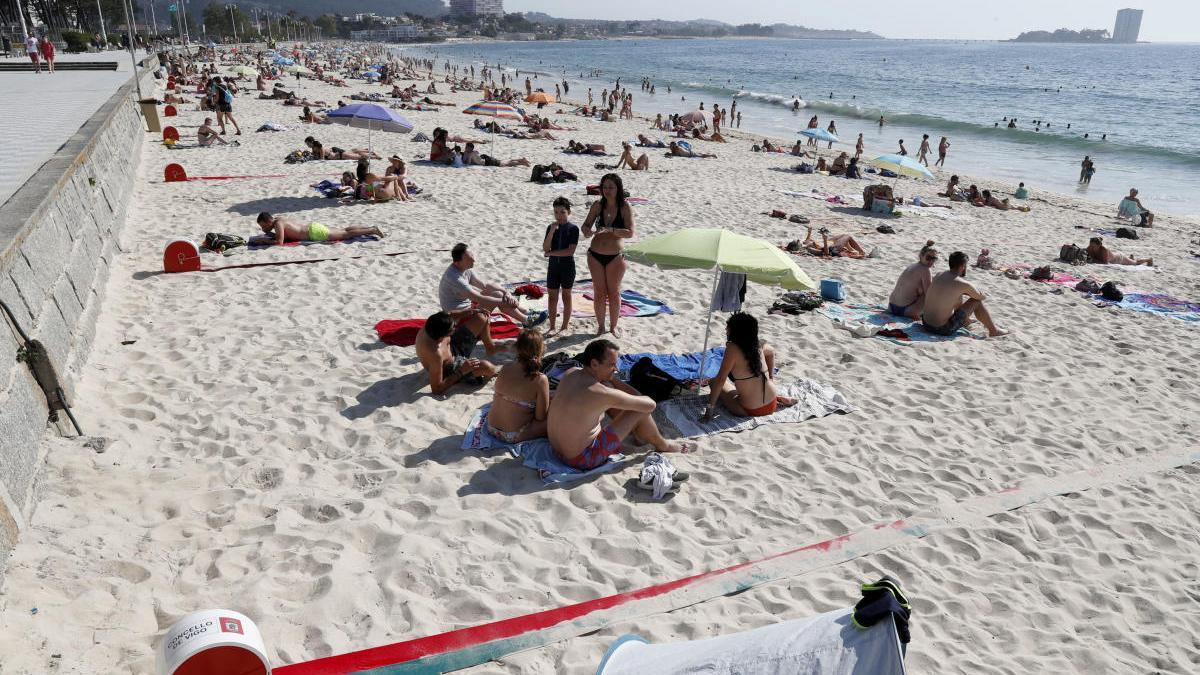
[{"x": 266, "y": 453}]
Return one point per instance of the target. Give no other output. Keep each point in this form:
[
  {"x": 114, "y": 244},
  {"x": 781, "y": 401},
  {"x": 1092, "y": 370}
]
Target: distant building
[
  {"x": 401, "y": 33},
  {"x": 477, "y": 7},
  {"x": 1129, "y": 23}
]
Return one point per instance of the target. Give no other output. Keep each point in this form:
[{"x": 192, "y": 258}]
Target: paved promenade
[{"x": 41, "y": 111}]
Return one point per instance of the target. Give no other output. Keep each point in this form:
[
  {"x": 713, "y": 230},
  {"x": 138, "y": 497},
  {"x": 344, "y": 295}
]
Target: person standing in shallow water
[{"x": 609, "y": 221}]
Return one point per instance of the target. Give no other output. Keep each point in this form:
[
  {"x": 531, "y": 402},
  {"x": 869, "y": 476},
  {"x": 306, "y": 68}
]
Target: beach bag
[
  {"x": 798, "y": 219},
  {"x": 1126, "y": 233},
  {"x": 1073, "y": 254},
  {"x": 1042, "y": 274},
  {"x": 888, "y": 173},
  {"x": 805, "y": 167},
  {"x": 220, "y": 243},
  {"x": 651, "y": 380},
  {"x": 877, "y": 192},
  {"x": 1110, "y": 291},
  {"x": 1087, "y": 286},
  {"x": 885, "y": 229}
]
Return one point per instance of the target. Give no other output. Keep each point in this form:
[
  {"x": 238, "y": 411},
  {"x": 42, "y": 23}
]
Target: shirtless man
[
  {"x": 641, "y": 164},
  {"x": 945, "y": 310},
  {"x": 952, "y": 190},
  {"x": 575, "y": 424},
  {"x": 908, "y": 297},
  {"x": 460, "y": 289},
  {"x": 923, "y": 150},
  {"x": 446, "y": 355},
  {"x": 943, "y": 146},
  {"x": 285, "y": 230},
  {"x": 206, "y": 135}
]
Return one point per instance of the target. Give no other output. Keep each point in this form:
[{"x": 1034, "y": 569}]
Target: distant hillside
[
  {"x": 701, "y": 28},
  {"x": 314, "y": 8}
]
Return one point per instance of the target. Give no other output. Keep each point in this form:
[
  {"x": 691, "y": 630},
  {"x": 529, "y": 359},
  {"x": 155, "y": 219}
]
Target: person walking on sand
[
  {"x": 832, "y": 128},
  {"x": 558, "y": 245},
  {"x": 943, "y": 146},
  {"x": 47, "y": 48},
  {"x": 576, "y": 423},
  {"x": 923, "y": 150},
  {"x": 609, "y": 221},
  {"x": 225, "y": 104},
  {"x": 945, "y": 310},
  {"x": 31, "y": 48}
]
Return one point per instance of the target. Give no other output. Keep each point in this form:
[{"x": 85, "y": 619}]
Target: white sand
[{"x": 268, "y": 455}]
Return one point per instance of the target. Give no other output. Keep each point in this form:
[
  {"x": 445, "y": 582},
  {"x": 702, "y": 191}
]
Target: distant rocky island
[
  {"x": 696, "y": 28},
  {"x": 1091, "y": 36}
]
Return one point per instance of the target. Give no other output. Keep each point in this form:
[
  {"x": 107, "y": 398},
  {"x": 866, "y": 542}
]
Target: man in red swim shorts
[{"x": 585, "y": 395}]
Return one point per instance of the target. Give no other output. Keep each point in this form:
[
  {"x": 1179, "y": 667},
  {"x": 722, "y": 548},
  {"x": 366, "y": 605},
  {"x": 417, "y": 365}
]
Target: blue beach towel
[
  {"x": 678, "y": 366},
  {"x": 878, "y": 316},
  {"x": 535, "y": 454},
  {"x": 332, "y": 190},
  {"x": 1155, "y": 303}
]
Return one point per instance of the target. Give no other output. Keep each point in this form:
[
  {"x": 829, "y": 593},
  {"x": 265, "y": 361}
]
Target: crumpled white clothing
[{"x": 659, "y": 472}]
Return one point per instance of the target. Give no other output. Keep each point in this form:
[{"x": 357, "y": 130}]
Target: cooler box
[{"x": 833, "y": 289}]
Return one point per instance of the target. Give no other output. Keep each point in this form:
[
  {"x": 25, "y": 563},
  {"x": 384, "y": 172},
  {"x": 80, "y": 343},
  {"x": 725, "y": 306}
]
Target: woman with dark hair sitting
[
  {"x": 744, "y": 384},
  {"x": 522, "y": 398}
]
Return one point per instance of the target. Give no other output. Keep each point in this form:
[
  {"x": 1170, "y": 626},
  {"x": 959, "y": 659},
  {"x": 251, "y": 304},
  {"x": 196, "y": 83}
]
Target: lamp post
[
  {"x": 103, "y": 33},
  {"x": 137, "y": 78},
  {"x": 232, "y": 20}
]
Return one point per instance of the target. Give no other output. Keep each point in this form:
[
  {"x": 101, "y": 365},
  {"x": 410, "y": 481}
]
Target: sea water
[{"x": 1138, "y": 104}]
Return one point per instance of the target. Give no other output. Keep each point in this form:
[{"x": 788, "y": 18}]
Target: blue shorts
[{"x": 956, "y": 321}]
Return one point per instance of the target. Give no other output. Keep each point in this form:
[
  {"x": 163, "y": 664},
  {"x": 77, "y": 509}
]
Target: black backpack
[
  {"x": 651, "y": 380},
  {"x": 1126, "y": 233},
  {"x": 1073, "y": 254},
  {"x": 1110, "y": 292}
]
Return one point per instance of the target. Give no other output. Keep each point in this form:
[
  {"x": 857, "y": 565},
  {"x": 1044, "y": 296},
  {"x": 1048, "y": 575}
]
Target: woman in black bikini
[{"x": 610, "y": 220}]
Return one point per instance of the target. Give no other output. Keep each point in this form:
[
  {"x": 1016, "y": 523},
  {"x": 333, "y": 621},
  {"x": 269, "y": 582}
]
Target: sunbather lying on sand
[
  {"x": 641, "y": 164},
  {"x": 990, "y": 200},
  {"x": 321, "y": 152},
  {"x": 677, "y": 150},
  {"x": 835, "y": 245},
  {"x": 313, "y": 118},
  {"x": 575, "y": 148},
  {"x": 1100, "y": 254},
  {"x": 575, "y": 424},
  {"x": 285, "y": 230},
  {"x": 647, "y": 143},
  {"x": 745, "y": 384}
]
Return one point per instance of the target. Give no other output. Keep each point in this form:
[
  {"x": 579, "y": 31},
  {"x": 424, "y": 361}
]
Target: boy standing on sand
[
  {"x": 558, "y": 245},
  {"x": 923, "y": 150},
  {"x": 943, "y": 146}
]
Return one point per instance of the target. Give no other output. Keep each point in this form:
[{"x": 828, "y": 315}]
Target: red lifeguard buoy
[
  {"x": 170, "y": 111},
  {"x": 170, "y": 133},
  {"x": 174, "y": 173},
  {"x": 181, "y": 256}
]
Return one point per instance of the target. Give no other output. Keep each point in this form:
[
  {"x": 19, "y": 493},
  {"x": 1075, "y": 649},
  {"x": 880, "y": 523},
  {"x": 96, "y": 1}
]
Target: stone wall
[{"x": 58, "y": 237}]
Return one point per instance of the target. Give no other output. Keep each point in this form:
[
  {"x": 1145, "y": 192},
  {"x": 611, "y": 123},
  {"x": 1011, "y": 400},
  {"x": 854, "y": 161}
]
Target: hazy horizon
[{"x": 1163, "y": 20}]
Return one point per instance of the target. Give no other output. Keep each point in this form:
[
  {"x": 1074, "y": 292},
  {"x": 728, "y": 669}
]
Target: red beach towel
[{"x": 403, "y": 332}]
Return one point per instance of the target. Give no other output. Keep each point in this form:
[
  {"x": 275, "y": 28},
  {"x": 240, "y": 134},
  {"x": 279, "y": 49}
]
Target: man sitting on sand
[
  {"x": 953, "y": 192},
  {"x": 446, "y": 355},
  {"x": 1146, "y": 217},
  {"x": 908, "y": 297},
  {"x": 206, "y": 135},
  {"x": 460, "y": 289},
  {"x": 1102, "y": 255},
  {"x": 945, "y": 310},
  {"x": 285, "y": 230},
  {"x": 642, "y": 163},
  {"x": 575, "y": 424}
]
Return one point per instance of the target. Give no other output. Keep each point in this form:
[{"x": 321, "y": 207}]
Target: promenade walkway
[{"x": 42, "y": 111}]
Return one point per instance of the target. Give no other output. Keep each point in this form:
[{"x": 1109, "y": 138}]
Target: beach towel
[
  {"x": 885, "y": 326},
  {"x": 403, "y": 332},
  {"x": 632, "y": 302},
  {"x": 813, "y": 399},
  {"x": 1155, "y": 303},
  {"x": 679, "y": 366},
  {"x": 535, "y": 454},
  {"x": 257, "y": 243},
  {"x": 333, "y": 190}
]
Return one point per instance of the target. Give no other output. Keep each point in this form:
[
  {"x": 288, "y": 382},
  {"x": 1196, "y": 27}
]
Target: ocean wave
[{"x": 773, "y": 99}]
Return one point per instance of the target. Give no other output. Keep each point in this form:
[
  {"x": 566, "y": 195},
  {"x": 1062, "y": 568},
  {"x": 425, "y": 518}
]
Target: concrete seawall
[{"x": 59, "y": 234}]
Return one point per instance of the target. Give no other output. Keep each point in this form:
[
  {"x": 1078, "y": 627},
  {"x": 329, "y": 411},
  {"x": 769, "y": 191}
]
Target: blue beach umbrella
[
  {"x": 372, "y": 117},
  {"x": 902, "y": 165},
  {"x": 820, "y": 135}
]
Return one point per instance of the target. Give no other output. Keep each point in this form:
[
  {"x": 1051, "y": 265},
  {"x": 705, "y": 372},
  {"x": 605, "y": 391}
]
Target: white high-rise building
[
  {"x": 1129, "y": 23},
  {"x": 477, "y": 7}
]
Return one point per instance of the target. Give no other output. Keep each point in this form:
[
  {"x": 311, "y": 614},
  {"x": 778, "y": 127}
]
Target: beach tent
[
  {"x": 721, "y": 251},
  {"x": 827, "y": 644},
  {"x": 372, "y": 117}
]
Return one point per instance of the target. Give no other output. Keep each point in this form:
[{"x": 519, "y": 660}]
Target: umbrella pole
[{"x": 712, "y": 300}]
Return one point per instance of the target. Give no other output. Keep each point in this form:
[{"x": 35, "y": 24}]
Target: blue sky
[{"x": 1164, "y": 20}]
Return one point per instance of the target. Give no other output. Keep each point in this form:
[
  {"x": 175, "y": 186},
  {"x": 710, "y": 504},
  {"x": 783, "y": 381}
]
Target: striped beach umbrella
[{"x": 493, "y": 109}]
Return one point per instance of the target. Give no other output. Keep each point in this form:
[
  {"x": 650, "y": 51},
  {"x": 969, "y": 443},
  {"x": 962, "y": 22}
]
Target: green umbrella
[{"x": 721, "y": 251}]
